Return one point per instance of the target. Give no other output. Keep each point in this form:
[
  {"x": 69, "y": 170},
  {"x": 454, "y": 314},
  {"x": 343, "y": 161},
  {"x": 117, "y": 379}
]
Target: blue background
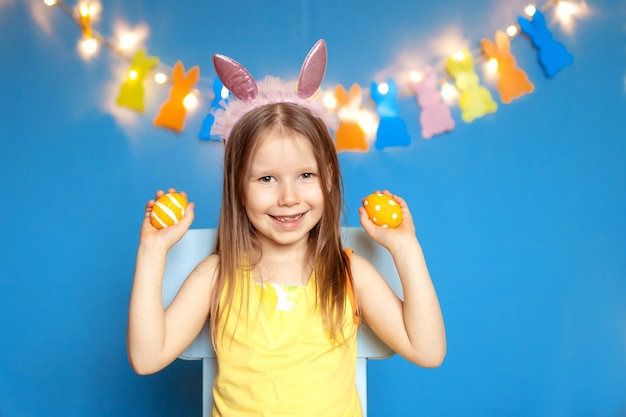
[{"x": 521, "y": 213}]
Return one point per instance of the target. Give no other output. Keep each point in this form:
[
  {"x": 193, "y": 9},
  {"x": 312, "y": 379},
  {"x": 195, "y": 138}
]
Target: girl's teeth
[{"x": 287, "y": 219}]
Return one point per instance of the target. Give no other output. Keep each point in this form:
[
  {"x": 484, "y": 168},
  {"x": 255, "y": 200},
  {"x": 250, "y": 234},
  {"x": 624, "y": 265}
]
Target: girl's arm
[
  {"x": 414, "y": 327},
  {"x": 155, "y": 336}
]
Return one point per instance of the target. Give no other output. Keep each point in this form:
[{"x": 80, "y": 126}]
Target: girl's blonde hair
[{"x": 237, "y": 244}]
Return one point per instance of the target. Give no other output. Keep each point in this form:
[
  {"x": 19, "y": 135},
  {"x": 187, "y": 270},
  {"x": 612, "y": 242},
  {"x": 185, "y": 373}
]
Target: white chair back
[{"x": 197, "y": 244}]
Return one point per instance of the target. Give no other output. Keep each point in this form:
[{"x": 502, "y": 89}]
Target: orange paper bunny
[
  {"x": 172, "y": 113},
  {"x": 512, "y": 81},
  {"x": 349, "y": 135}
]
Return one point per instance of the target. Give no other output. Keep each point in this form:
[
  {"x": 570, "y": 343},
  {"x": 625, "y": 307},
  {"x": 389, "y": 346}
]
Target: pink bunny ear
[
  {"x": 235, "y": 77},
  {"x": 428, "y": 76},
  {"x": 313, "y": 69}
]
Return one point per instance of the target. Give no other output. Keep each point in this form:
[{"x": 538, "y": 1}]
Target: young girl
[{"x": 283, "y": 297}]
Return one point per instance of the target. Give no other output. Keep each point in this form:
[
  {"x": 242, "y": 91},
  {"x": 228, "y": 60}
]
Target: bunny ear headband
[{"x": 251, "y": 95}]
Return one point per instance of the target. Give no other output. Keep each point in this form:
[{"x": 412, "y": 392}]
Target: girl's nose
[{"x": 288, "y": 195}]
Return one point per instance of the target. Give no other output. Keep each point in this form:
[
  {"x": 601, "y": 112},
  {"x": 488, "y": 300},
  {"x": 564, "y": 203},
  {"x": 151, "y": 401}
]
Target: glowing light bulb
[
  {"x": 330, "y": 101},
  {"x": 416, "y": 76},
  {"x": 383, "y": 88},
  {"x": 492, "y": 66},
  {"x": 85, "y": 14},
  {"x": 190, "y": 101},
  {"x": 85, "y": 10},
  {"x": 530, "y": 10},
  {"x": 448, "y": 92},
  {"x": 565, "y": 10},
  {"x": 459, "y": 56},
  {"x": 368, "y": 122},
  {"x": 132, "y": 74},
  {"x": 511, "y": 30},
  {"x": 160, "y": 78},
  {"x": 128, "y": 41},
  {"x": 50, "y": 2},
  {"x": 87, "y": 47}
]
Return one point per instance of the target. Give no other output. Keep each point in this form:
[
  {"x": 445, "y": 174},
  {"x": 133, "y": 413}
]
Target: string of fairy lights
[{"x": 85, "y": 14}]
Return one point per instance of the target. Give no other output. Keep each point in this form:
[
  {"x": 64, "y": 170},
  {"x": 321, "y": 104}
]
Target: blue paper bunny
[
  {"x": 553, "y": 56},
  {"x": 205, "y": 132},
  {"x": 392, "y": 130}
]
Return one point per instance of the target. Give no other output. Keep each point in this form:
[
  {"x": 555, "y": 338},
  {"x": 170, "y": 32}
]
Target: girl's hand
[
  {"x": 167, "y": 237},
  {"x": 390, "y": 238}
]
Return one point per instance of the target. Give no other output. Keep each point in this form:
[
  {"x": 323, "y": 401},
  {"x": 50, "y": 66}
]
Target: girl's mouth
[{"x": 288, "y": 219}]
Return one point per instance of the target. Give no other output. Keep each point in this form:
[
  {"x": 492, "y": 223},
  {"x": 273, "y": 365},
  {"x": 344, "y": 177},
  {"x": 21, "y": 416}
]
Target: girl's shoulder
[
  {"x": 208, "y": 267},
  {"x": 357, "y": 261},
  {"x": 362, "y": 270}
]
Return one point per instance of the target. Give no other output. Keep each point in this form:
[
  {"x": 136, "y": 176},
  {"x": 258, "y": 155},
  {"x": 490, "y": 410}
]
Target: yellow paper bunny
[
  {"x": 475, "y": 100},
  {"x": 132, "y": 92}
]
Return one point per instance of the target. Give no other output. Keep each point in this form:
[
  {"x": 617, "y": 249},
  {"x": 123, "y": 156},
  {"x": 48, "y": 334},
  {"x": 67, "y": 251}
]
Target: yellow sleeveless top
[{"x": 276, "y": 359}]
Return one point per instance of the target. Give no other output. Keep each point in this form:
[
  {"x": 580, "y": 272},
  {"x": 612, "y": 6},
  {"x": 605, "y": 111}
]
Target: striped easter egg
[
  {"x": 168, "y": 210},
  {"x": 383, "y": 210}
]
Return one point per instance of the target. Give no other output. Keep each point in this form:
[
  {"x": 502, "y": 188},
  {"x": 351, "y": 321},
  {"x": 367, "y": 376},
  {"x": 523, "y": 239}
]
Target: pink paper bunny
[
  {"x": 512, "y": 81},
  {"x": 435, "y": 116},
  {"x": 172, "y": 113}
]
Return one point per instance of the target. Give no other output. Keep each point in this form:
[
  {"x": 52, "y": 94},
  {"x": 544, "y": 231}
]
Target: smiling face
[
  {"x": 283, "y": 193},
  {"x": 265, "y": 145}
]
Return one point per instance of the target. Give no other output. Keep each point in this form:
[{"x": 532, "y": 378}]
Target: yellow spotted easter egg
[
  {"x": 383, "y": 210},
  {"x": 168, "y": 210}
]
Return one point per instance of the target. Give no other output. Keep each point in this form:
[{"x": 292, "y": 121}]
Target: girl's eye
[
  {"x": 266, "y": 178},
  {"x": 307, "y": 175}
]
